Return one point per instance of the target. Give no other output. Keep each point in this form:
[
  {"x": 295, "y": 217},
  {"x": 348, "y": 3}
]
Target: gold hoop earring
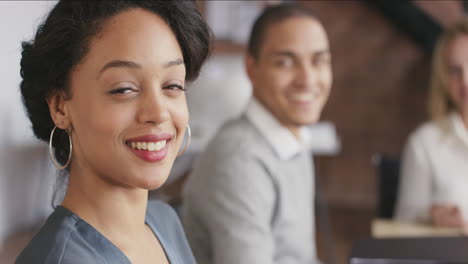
[
  {"x": 189, "y": 136},
  {"x": 51, "y": 152}
]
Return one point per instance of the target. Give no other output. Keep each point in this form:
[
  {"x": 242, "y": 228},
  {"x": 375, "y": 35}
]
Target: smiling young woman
[
  {"x": 103, "y": 82},
  {"x": 435, "y": 159}
]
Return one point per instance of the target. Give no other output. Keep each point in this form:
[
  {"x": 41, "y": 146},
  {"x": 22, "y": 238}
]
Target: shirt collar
[
  {"x": 459, "y": 128},
  {"x": 285, "y": 144}
]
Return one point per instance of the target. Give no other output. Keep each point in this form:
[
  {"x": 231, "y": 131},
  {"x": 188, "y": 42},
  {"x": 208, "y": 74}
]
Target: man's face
[{"x": 292, "y": 75}]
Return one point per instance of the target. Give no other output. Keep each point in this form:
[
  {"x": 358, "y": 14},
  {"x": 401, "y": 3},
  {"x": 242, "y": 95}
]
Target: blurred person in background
[
  {"x": 250, "y": 197},
  {"x": 103, "y": 82},
  {"x": 434, "y": 183}
]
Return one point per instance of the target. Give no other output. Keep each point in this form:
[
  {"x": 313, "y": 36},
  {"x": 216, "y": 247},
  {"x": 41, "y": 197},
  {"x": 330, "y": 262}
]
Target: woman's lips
[
  {"x": 150, "y": 138},
  {"x": 150, "y": 156},
  {"x": 150, "y": 148}
]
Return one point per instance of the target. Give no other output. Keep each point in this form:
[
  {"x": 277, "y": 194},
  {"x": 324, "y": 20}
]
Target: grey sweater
[{"x": 243, "y": 204}]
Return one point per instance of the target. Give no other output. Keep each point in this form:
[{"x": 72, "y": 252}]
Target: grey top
[
  {"x": 244, "y": 204},
  {"x": 67, "y": 239}
]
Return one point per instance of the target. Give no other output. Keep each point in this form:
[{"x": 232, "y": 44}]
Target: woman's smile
[{"x": 151, "y": 147}]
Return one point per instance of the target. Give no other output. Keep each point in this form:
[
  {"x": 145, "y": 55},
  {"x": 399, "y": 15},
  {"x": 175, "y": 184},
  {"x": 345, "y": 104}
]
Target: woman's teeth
[{"x": 148, "y": 146}]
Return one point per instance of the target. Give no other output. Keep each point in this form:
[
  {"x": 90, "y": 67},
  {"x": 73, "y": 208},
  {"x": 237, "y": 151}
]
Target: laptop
[{"x": 427, "y": 250}]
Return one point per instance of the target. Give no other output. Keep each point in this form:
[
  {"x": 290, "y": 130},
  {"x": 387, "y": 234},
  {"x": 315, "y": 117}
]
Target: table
[{"x": 385, "y": 228}]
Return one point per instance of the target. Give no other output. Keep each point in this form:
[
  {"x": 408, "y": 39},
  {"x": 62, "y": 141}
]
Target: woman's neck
[{"x": 116, "y": 211}]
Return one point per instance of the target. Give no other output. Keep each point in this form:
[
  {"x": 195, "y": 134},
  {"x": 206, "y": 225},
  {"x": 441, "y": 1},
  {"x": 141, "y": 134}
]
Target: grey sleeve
[{"x": 234, "y": 202}]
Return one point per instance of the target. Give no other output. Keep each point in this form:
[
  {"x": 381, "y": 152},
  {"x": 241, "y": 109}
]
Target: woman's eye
[
  {"x": 453, "y": 70},
  {"x": 174, "y": 87},
  {"x": 122, "y": 90}
]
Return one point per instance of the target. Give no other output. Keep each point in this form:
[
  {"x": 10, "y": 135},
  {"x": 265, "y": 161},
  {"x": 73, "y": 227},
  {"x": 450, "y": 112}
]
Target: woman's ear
[{"x": 58, "y": 108}]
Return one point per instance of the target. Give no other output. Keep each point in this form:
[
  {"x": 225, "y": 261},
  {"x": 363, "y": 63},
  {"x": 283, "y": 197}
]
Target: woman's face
[
  {"x": 457, "y": 69},
  {"x": 128, "y": 110}
]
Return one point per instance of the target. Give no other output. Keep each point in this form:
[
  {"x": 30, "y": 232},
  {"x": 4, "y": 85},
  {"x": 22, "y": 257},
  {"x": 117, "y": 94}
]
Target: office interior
[{"x": 381, "y": 57}]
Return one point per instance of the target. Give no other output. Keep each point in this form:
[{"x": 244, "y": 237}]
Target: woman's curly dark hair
[{"x": 62, "y": 41}]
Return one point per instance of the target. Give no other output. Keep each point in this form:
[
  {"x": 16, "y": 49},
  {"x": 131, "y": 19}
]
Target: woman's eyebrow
[
  {"x": 173, "y": 63},
  {"x": 134, "y": 65},
  {"x": 119, "y": 64}
]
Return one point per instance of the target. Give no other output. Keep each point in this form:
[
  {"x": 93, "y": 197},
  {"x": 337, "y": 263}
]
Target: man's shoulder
[
  {"x": 237, "y": 155},
  {"x": 237, "y": 128},
  {"x": 237, "y": 137}
]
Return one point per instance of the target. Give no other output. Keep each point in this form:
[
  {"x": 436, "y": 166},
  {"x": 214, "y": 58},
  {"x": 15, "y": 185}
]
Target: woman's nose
[{"x": 153, "y": 107}]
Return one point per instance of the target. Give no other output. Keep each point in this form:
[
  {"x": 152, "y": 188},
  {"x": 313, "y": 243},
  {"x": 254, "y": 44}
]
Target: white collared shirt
[
  {"x": 459, "y": 128},
  {"x": 434, "y": 170},
  {"x": 285, "y": 144}
]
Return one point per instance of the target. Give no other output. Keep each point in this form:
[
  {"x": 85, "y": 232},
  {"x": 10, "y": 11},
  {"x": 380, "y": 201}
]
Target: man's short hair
[{"x": 271, "y": 15}]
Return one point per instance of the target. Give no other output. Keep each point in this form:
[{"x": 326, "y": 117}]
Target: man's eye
[
  {"x": 284, "y": 63},
  {"x": 122, "y": 90},
  {"x": 321, "y": 61}
]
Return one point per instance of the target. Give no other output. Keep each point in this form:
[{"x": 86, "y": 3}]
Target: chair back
[{"x": 388, "y": 179}]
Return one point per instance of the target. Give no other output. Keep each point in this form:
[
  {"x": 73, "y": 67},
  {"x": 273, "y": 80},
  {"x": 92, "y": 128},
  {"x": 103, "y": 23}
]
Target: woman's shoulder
[
  {"x": 161, "y": 215},
  {"x": 59, "y": 241},
  {"x": 164, "y": 220},
  {"x": 428, "y": 132}
]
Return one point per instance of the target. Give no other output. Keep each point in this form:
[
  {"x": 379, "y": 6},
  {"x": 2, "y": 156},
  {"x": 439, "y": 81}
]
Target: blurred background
[{"x": 381, "y": 54}]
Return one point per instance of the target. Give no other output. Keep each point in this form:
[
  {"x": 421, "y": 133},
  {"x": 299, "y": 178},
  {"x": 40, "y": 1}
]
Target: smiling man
[{"x": 250, "y": 198}]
